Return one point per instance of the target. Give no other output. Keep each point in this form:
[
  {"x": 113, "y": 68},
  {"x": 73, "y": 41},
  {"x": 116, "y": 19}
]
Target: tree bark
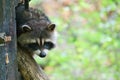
[
  {"x": 27, "y": 66},
  {"x": 8, "y": 66}
]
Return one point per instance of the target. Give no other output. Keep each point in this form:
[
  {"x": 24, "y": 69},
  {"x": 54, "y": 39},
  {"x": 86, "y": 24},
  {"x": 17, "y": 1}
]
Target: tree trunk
[
  {"x": 29, "y": 69},
  {"x": 8, "y": 70}
]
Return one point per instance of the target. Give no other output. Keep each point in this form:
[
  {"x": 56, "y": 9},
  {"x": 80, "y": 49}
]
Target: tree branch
[{"x": 28, "y": 68}]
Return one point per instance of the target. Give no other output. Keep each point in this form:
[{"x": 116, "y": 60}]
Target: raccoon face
[
  {"x": 42, "y": 48},
  {"x": 38, "y": 39}
]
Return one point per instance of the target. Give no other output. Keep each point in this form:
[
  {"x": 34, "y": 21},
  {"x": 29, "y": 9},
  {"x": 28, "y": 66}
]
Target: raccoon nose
[{"x": 42, "y": 54}]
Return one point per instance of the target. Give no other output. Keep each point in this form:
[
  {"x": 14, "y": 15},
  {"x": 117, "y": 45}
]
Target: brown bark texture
[{"x": 28, "y": 68}]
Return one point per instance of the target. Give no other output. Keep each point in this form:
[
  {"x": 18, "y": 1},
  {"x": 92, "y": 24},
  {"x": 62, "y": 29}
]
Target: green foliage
[{"x": 88, "y": 41}]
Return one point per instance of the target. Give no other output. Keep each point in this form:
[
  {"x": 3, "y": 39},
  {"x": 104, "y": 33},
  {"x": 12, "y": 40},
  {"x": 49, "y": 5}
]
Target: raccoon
[{"x": 35, "y": 32}]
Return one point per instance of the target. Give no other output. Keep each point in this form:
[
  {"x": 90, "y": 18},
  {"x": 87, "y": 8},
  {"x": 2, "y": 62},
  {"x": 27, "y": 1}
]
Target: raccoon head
[{"x": 37, "y": 36}]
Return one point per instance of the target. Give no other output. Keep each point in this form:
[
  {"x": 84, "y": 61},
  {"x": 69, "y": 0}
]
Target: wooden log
[{"x": 27, "y": 66}]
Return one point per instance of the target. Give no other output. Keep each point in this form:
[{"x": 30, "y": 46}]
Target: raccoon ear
[
  {"x": 26, "y": 28},
  {"x": 51, "y": 27}
]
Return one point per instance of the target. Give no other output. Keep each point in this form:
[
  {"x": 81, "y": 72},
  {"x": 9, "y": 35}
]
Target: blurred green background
[{"x": 88, "y": 39}]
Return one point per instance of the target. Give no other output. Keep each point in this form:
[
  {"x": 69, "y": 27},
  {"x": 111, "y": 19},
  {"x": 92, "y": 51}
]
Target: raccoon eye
[{"x": 48, "y": 45}]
